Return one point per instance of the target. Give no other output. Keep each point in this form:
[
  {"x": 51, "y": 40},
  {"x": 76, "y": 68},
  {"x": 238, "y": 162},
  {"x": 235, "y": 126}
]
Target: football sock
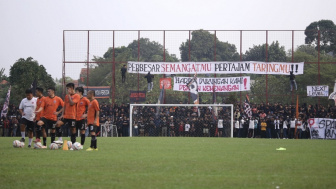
[
  {"x": 82, "y": 139},
  {"x": 52, "y": 137},
  {"x": 73, "y": 138},
  {"x": 38, "y": 134},
  {"x": 23, "y": 134},
  {"x": 30, "y": 141},
  {"x": 93, "y": 139},
  {"x": 59, "y": 132},
  {"x": 44, "y": 141},
  {"x": 60, "y": 138}
]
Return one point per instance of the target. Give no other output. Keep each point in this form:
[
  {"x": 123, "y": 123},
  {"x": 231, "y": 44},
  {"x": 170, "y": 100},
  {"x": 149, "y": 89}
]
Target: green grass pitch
[{"x": 152, "y": 162}]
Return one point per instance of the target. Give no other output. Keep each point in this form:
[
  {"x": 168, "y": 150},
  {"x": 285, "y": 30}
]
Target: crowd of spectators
[{"x": 267, "y": 121}]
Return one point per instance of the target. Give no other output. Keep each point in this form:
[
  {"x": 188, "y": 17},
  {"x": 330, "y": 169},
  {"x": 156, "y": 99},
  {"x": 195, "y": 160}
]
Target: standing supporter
[
  {"x": 181, "y": 128},
  {"x": 120, "y": 125},
  {"x": 298, "y": 128},
  {"x": 236, "y": 127},
  {"x": 206, "y": 125},
  {"x": 251, "y": 128},
  {"x": 81, "y": 110},
  {"x": 263, "y": 126},
  {"x": 270, "y": 127},
  {"x": 192, "y": 129},
  {"x": 136, "y": 126},
  {"x": 286, "y": 123},
  {"x": 125, "y": 126},
  {"x": 157, "y": 123},
  {"x": 15, "y": 124},
  {"x": 304, "y": 129},
  {"x": 164, "y": 128},
  {"x": 292, "y": 124},
  {"x": 93, "y": 119},
  {"x": 187, "y": 128},
  {"x": 277, "y": 127},
  {"x": 220, "y": 126},
  {"x": 6, "y": 129},
  {"x": 172, "y": 126},
  {"x": 241, "y": 126},
  {"x": 149, "y": 78},
  {"x": 256, "y": 131}
]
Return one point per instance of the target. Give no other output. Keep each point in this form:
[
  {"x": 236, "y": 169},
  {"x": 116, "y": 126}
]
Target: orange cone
[{"x": 65, "y": 145}]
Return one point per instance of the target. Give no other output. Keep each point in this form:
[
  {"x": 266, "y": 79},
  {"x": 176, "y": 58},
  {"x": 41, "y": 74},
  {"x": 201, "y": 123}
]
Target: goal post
[{"x": 181, "y": 120}]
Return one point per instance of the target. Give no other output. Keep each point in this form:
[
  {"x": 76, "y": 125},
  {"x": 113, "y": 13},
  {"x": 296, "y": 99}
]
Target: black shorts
[
  {"x": 220, "y": 129},
  {"x": 80, "y": 124},
  {"x": 71, "y": 122},
  {"x": 30, "y": 124},
  {"x": 92, "y": 128},
  {"x": 48, "y": 123}
]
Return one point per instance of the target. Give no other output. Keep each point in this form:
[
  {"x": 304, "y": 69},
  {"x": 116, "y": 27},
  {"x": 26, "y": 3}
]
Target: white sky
[{"x": 35, "y": 27}]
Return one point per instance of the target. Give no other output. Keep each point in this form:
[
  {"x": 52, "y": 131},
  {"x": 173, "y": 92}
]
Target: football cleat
[
  {"x": 58, "y": 142},
  {"x": 89, "y": 149},
  {"x": 22, "y": 140}
]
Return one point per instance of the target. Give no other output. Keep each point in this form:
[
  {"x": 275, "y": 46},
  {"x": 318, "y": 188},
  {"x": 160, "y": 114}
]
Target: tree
[
  {"x": 22, "y": 74},
  {"x": 275, "y": 53},
  {"x": 327, "y": 30},
  {"x": 100, "y": 74},
  {"x": 202, "y": 48},
  {"x": 2, "y": 75}
]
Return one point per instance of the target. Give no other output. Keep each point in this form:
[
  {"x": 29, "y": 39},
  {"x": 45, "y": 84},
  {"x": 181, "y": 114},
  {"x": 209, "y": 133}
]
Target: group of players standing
[{"x": 41, "y": 113}]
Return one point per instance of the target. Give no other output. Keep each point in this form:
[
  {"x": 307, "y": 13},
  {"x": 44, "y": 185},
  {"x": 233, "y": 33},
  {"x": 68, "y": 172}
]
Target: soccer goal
[{"x": 185, "y": 120}]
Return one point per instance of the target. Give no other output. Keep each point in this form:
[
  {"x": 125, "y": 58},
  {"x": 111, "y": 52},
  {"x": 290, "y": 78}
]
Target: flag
[
  {"x": 193, "y": 88},
  {"x": 161, "y": 96},
  {"x": 33, "y": 87},
  {"x": 214, "y": 94},
  {"x": 296, "y": 115},
  {"x": 297, "y": 107},
  {"x": 247, "y": 107},
  {"x": 160, "y": 100},
  {"x": 5, "y": 106}
]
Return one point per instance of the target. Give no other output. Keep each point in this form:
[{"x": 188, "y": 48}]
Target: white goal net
[{"x": 184, "y": 120}]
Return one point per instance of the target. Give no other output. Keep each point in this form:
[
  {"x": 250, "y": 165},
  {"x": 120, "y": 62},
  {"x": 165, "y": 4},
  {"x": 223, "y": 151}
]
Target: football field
[{"x": 150, "y": 162}]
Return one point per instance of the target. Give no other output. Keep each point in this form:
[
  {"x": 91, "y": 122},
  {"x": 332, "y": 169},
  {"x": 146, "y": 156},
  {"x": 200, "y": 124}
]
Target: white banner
[
  {"x": 324, "y": 128},
  {"x": 249, "y": 67},
  {"x": 318, "y": 90},
  {"x": 227, "y": 84}
]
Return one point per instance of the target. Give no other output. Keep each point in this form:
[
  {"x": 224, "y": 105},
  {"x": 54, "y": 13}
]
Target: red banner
[{"x": 166, "y": 82}]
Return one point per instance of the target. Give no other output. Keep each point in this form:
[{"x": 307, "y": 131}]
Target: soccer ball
[
  {"x": 53, "y": 146},
  {"x": 69, "y": 144},
  {"x": 37, "y": 145},
  {"x": 16, "y": 144},
  {"x": 76, "y": 146},
  {"x": 21, "y": 144}
]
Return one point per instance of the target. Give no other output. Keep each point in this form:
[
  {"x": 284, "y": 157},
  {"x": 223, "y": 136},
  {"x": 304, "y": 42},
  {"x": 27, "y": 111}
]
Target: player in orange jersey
[
  {"x": 81, "y": 109},
  {"x": 69, "y": 112},
  {"x": 38, "y": 115},
  {"x": 49, "y": 117},
  {"x": 93, "y": 119}
]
